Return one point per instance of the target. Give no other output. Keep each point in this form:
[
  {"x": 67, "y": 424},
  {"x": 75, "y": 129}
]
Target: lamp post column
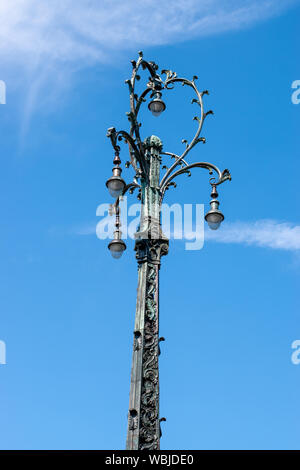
[{"x": 143, "y": 417}]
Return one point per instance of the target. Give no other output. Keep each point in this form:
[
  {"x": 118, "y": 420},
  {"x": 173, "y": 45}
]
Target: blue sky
[{"x": 230, "y": 311}]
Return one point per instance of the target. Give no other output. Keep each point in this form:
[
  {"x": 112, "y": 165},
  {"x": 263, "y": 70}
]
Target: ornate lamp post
[{"x": 151, "y": 244}]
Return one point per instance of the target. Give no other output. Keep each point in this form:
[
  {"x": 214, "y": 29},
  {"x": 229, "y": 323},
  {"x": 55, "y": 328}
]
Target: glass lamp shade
[
  {"x": 116, "y": 248},
  {"x": 115, "y": 186},
  {"x": 214, "y": 219},
  {"x": 156, "y": 106}
]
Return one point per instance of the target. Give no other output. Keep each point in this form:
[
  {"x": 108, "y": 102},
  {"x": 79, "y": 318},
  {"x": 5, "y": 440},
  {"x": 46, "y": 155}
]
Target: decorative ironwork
[
  {"x": 149, "y": 419},
  {"x": 133, "y": 420},
  {"x": 145, "y": 158},
  {"x": 135, "y": 144}
]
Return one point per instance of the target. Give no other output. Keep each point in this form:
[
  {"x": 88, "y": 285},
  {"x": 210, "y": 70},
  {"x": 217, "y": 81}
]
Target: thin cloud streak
[
  {"x": 87, "y": 229},
  {"x": 52, "y": 40},
  {"x": 88, "y": 31},
  {"x": 262, "y": 233}
]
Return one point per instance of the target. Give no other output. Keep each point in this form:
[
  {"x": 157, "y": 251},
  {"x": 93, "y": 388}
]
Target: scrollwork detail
[{"x": 149, "y": 413}]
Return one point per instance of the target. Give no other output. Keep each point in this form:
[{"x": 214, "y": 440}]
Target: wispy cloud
[
  {"x": 87, "y": 31},
  {"x": 262, "y": 233},
  {"x": 85, "y": 229},
  {"x": 49, "y": 40}
]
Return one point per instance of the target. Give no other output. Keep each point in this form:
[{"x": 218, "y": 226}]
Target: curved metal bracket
[
  {"x": 222, "y": 175},
  {"x": 171, "y": 79},
  {"x": 133, "y": 139}
]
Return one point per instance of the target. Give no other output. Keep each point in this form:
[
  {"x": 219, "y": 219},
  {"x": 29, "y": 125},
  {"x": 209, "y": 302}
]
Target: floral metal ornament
[{"x": 145, "y": 157}]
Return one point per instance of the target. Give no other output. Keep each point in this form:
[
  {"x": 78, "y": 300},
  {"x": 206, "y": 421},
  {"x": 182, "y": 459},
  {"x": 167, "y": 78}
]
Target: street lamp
[
  {"x": 117, "y": 245},
  {"x": 157, "y": 106},
  {"x": 214, "y": 217},
  {"x": 115, "y": 184},
  {"x": 151, "y": 244}
]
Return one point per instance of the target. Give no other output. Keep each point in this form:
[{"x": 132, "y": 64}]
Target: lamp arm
[
  {"x": 173, "y": 155},
  {"x": 171, "y": 79},
  {"x": 222, "y": 175},
  {"x": 131, "y": 187},
  {"x": 116, "y": 136},
  {"x": 155, "y": 82}
]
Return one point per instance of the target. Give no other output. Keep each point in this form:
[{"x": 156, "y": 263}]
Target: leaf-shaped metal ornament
[
  {"x": 184, "y": 141},
  {"x": 208, "y": 112}
]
